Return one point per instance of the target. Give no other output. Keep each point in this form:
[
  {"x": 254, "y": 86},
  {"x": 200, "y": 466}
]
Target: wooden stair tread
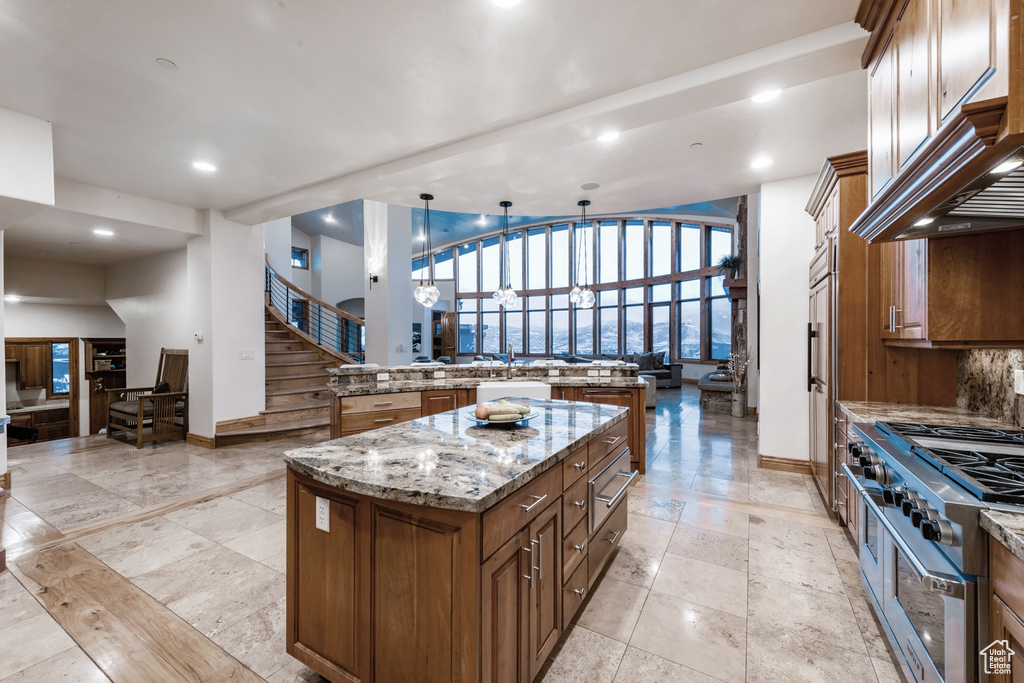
[
  {"x": 299, "y": 363},
  {"x": 306, "y": 375},
  {"x": 293, "y": 407},
  {"x": 295, "y": 390},
  {"x": 276, "y": 427}
]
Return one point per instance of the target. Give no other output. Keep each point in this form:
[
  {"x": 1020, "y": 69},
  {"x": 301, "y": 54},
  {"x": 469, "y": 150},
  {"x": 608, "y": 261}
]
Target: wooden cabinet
[
  {"x": 1006, "y": 605},
  {"x": 545, "y": 594},
  {"x": 12, "y": 352},
  {"x": 52, "y": 423},
  {"x": 914, "y": 79},
  {"x": 880, "y": 119},
  {"x": 966, "y": 37},
  {"x": 355, "y": 414},
  {"x": 33, "y": 370},
  {"x": 846, "y": 503},
  {"x": 626, "y": 398},
  {"x": 506, "y": 600},
  {"x": 563, "y": 393},
  {"x": 433, "y": 402},
  {"x": 105, "y": 368},
  {"x": 954, "y": 291},
  {"x": 819, "y": 385}
]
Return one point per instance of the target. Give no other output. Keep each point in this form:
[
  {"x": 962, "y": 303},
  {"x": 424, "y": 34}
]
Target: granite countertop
[
  {"x": 367, "y": 389},
  {"x": 1007, "y": 528},
  {"x": 446, "y": 461},
  {"x": 42, "y": 406},
  {"x": 862, "y": 411}
]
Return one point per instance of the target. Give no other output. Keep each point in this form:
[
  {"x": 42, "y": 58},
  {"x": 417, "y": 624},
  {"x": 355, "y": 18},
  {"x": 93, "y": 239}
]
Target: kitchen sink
[{"x": 492, "y": 391}]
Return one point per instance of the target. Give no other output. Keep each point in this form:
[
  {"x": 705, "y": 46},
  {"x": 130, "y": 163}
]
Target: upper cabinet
[{"x": 942, "y": 112}]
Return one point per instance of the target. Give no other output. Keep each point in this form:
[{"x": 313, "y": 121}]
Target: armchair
[{"x": 162, "y": 408}]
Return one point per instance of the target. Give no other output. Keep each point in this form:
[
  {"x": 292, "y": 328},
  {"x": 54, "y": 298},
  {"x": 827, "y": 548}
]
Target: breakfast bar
[{"x": 441, "y": 549}]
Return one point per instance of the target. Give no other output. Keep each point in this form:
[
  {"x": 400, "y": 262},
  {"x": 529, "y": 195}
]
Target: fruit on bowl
[{"x": 500, "y": 411}]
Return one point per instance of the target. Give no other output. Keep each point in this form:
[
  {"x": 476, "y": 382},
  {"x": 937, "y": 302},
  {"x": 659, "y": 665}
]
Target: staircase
[{"x": 297, "y": 398}]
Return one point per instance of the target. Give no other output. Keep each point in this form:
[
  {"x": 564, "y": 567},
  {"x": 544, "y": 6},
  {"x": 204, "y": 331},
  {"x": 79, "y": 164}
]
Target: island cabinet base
[{"x": 391, "y": 592}]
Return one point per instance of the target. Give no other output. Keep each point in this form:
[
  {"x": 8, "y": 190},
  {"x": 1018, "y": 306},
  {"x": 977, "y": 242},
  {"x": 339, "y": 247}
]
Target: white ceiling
[{"x": 309, "y": 104}]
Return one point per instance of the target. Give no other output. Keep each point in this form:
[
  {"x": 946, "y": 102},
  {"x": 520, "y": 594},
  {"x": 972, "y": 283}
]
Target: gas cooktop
[{"x": 987, "y": 462}]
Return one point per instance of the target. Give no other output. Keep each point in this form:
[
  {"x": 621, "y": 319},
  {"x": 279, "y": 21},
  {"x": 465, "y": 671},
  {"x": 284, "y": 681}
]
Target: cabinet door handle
[
  {"x": 384, "y": 419},
  {"x": 581, "y": 465},
  {"x": 581, "y": 504},
  {"x": 530, "y": 575},
  {"x": 536, "y": 502},
  {"x": 614, "y": 537},
  {"x": 581, "y": 548},
  {"x": 383, "y": 403},
  {"x": 895, "y": 312},
  {"x": 540, "y": 556},
  {"x": 582, "y": 592},
  {"x": 811, "y": 334},
  {"x": 613, "y": 441}
]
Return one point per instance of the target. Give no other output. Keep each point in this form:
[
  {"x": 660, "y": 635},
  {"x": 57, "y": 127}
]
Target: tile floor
[{"x": 727, "y": 572}]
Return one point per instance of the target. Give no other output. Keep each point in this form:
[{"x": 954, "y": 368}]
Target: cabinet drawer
[
  {"x": 605, "y": 539},
  {"x": 53, "y": 431},
  {"x": 21, "y": 419},
  {"x": 574, "y": 547},
  {"x": 612, "y": 440},
  {"x": 383, "y": 418},
  {"x": 506, "y": 518},
  {"x": 574, "y": 592},
  {"x": 43, "y": 417},
  {"x": 369, "y": 404},
  {"x": 574, "y": 466},
  {"x": 574, "y": 504}
]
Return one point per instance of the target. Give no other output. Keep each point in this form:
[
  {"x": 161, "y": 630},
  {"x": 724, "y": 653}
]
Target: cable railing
[{"x": 327, "y": 326}]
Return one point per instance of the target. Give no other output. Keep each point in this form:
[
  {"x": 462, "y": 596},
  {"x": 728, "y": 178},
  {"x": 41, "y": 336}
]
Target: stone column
[{"x": 739, "y": 306}]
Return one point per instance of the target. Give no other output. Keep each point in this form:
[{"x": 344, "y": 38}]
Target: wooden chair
[{"x": 162, "y": 408}]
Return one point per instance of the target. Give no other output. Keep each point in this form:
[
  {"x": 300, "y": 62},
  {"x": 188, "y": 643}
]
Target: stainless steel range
[{"x": 923, "y": 553}]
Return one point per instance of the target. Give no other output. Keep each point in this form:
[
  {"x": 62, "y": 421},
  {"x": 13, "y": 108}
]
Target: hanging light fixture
[
  {"x": 585, "y": 297},
  {"x": 576, "y": 292},
  {"x": 427, "y": 294},
  {"x": 505, "y": 295}
]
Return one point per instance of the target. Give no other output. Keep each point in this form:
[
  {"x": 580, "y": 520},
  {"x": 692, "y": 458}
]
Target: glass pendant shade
[
  {"x": 426, "y": 294},
  {"x": 574, "y": 294},
  {"x": 430, "y": 295},
  {"x": 509, "y": 297},
  {"x": 499, "y": 296},
  {"x": 420, "y": 294},
  {"x": 587, "y": 298}
]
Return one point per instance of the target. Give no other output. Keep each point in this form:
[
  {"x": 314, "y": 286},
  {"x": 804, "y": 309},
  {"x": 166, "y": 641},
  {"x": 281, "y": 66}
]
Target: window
[
  {"x": 60, "y": 368},
  {"x": 300, "y": 258},
  {"x": 657, "y": 283},
  {"x": 299, "y": 314},
  {"x": 421, "y": 269}
]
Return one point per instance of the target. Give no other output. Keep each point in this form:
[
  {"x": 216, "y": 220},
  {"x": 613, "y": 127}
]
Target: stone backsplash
[{"x": 985, "y": 383}]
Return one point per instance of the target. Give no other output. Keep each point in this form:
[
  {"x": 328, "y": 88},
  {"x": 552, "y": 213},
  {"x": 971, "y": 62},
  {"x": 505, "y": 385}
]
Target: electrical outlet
[
  {"x": 553, "y": 372},
  {"x": 323, "y": 514},
  {"x": 1018, "y": 382},
  {"x": 248, "y": 354}
]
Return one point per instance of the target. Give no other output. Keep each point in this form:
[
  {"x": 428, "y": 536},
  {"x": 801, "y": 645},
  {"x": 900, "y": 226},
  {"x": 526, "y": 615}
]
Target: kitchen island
[{"x": 439, "y": 550}]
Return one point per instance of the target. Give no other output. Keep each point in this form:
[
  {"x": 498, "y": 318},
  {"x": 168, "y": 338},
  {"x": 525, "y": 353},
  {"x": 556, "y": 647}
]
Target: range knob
[
  {"x": 908, "y": 505},
  {"x": 938, "y": 530},
  {"x": 877, "y": 472},
  {"x": 854, "y": 449},
  {"x": 889, "y": 496},
  {"x": 922, "y": 514}
]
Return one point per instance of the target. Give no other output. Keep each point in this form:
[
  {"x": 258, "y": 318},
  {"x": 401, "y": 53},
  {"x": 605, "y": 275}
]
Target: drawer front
[
  {"x": 608, "y": 486},
  {"x": 605, "y": 540},
  {"x": 47, "y": 416},
  {"x": 575, "y": 466},
  {"x": 53, "y": 431},
  {"x": 574, "y": 548},
  {"x": 612, "y": 440},
  {"x": 575, "y": 504},
  {"x": 369, "y": 404},
  {"x": 384, "y": 418},
  {"x": 21, "y": 419},
  {"x": 506, "y": 518},
  {"x": 574, "y": 592}
]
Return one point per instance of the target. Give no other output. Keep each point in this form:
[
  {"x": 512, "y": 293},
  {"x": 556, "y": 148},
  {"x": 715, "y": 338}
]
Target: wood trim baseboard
[
  {"x": 689, "y": 380},
  {"x": 770, "y": 462},
  {"x": 199, "y": 440},
  {"x": 241, "y": 423},
  {"x": 5, "y": 484},
  {"x": 751, "y": 411}
]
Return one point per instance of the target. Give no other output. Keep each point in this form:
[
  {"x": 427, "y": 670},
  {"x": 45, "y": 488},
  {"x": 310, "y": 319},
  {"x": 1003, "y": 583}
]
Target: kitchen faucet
[{"x": 511, "y": 357}]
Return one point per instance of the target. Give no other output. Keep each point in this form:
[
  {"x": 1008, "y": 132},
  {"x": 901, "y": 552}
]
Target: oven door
[{"x": 871, "y": 536}]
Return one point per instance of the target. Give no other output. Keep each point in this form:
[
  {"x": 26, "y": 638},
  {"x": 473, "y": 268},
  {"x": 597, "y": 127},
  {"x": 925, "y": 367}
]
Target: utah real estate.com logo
[{"x": 997, "y": 657}]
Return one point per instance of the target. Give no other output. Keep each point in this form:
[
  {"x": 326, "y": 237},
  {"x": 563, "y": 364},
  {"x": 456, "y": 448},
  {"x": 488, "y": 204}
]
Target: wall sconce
[{"x": 373, "y": 278}]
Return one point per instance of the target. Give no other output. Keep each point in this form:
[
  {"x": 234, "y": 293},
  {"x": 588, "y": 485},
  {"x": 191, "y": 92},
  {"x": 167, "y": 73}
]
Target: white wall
[
  {"x": 786, "y": 247},
  {"x": 26, "y": 167},
  {"x": 299, "y": 277},
  {"x": 149, "y": 295},
  {"x": 3, "y": 318},
  {"x": 336, "y": 269},
  {"x": 277, "y": 243},
  {"x": 388, "y": 254}
]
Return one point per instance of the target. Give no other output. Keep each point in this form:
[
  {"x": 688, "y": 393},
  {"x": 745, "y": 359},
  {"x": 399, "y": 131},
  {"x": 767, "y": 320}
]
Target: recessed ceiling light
[
  {"x": 166, "y": 63},
  {"x": 505, "y": 3},
  {"x": 925, "y": 221},
  {"x": 766, "y": 96},
  {"x": 204, "y": 166},
  {"x": 12, "y": 298},
  {"x": 330, "y": 219},
  {"x": 609, "y": 136},
  {"x": 761, "y": 162},
  {"x": 103, "y": 232},
  {"x": 74, "y": 244},
  {"x": 482, "y": 220},
  {"x": 1007, "y": 166},
  {"x": 587, "y": 187}
]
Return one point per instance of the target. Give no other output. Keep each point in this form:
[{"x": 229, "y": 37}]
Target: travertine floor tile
[
  {"x": 257, "y": 640},
  {"x": 716, "y": 519},
  {"x": 775, "y": 655},
  {"x": 16, "y": 603},
  {"x": 653, "y": 506},
  {"x": 144, "y": 546},
  {"x": 30, "y": 642},
  {"x": 649, "y": 532},
  {"x": 70, "y": 666},
  {"x": 809, "y": 570},
  {"x": 613, "y": 608},
  {"x": 639, "y": 666},
  {"x": 262, "y": 543},
  {"x": 223, "y": 519},
  {"x": 584, "y": 657},
  {"x": 219, "y": 605},
  {"x": 178, "y": 580},
  {"x": 789, "y": 535},
  {"x": 703, "y": 583},
  {"x": 635, "y": 564},
  {"x": 811, "y": 614},
  {"x": 715, "y": 547}
]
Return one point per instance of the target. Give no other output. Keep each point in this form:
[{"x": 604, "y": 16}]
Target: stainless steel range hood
[{"x": 995, "y": 201}]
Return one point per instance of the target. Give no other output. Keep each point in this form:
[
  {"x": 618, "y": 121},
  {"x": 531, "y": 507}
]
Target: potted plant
[
  {"x": 735, "y": 286},
  {"x": 738, "y": 362}
]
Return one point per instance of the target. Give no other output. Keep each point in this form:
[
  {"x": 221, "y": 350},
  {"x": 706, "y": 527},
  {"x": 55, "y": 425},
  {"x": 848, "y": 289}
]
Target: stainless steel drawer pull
[
  {"x": 384, "y": 419},
  {"x": 540, "y": 557},
  {"x": 530, "y": 575},
  {"x": 582, "y": 592},
  {"x": 614, "y": 537},
  {"x": 581, "y": 548},
  {"x": 612, "y": 500},
  {"x": 581, "y": 465},
  {"x": 612, "y": 442},
  {"x": 383, "y": 403},
  {"x": 536, "y": 502},
  {"x": 581, "y": 504}
]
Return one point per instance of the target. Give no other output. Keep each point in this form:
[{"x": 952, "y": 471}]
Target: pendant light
[
  {"x": 585, "y": 298},
  {"x": 505, "y": 295},
  {"x": 426, "y": 294}
]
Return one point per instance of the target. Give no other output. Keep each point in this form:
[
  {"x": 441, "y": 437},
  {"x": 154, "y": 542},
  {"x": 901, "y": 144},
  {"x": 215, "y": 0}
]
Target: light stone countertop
[
  {"x": 447, "y": 461},
  {"x": 1007, "y": 528},
  {"x": 364, "y": 389},
  {"x": 863, "y": 411},
  {"x": 42, "y": 406}
]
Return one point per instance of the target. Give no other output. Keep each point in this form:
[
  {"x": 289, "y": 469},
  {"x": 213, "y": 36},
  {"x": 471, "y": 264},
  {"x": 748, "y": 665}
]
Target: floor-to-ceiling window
[{"x": 657, "y": 284}]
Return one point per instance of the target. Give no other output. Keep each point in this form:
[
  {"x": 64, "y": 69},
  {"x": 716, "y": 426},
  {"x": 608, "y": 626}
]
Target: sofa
[{"x": 652, "y": 364}]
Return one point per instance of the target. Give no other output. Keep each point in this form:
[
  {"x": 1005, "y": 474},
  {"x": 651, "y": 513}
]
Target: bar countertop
[{"x": 447, "y": 461}]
